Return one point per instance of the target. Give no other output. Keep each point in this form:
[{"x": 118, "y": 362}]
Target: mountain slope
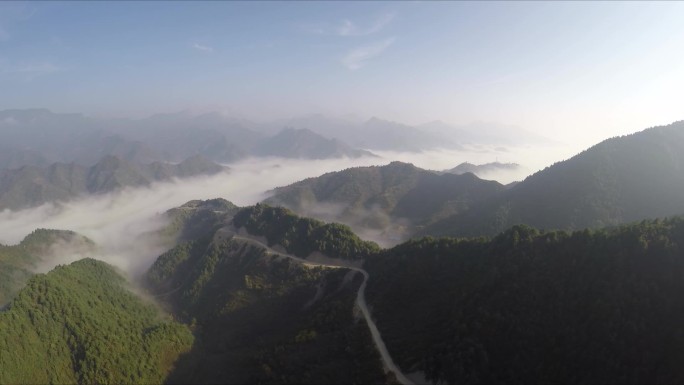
[
  {"x": 79, "y": 324},
  {"x": 482, "y": 169},
  {"x": 379, "y": 134},
  {"x": 179, "y": 136},
  {"x": 38, "y": 137},
  {"x": 262, "y": 318},
  {"x": 304, "y": 143},
  {"x": 302, "y": 236},
  {"x": 528, "y": 307},
  {"x": 616, "y": 181},
  {"x": 19, "y": 262},
  {"x": 398, "y": 197},
  {"x": 31, "y": 186},
  {"x": 372, "y": 134}
]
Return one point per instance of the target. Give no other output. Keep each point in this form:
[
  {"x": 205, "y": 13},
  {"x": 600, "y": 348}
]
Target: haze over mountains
[
  {"x": 271, "y": 318},
  {"x": 261, "y": 294},
  {"x": 345, "y": 192},
  {"x": 617, "y": 181},
  {"x": 482, "y": 170},
  {"x": 30, "y": 186},
  {"x": 39, "y": 137},
  {"x": 392, "y": 201},
  {"x": 48, "y": 157}
]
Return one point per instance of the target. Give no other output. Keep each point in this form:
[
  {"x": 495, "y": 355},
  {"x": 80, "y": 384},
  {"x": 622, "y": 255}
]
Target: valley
[{"x": 341, "y": 192}]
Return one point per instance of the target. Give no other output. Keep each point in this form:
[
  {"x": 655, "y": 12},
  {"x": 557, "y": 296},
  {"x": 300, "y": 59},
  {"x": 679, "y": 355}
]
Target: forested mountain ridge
[
  {"x": 524, "y": 306},
  {"x": 302, "y": 236},
  {"x": 261, "y": 318},
  {"x": 19, "y": 262},
  {"x": 31, "y": 186},
  {"x": 398, "y": 197},
  {"x": 80, "y": 324},
  {"x": 196, "y": 219},
  {"x": 258, "y": 317},
  {"x": 619, "y": 180},
  {"x": 601, "y": 306}
]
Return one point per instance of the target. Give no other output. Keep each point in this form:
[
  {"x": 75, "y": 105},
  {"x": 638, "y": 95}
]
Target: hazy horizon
[{"x": 571, "y": 71}]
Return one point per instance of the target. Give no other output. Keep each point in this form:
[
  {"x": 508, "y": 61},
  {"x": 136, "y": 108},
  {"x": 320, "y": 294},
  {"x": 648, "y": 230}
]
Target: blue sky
[{"x": 574, "y": 70}]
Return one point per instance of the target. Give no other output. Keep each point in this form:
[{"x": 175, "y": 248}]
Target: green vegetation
[
  {"x": 302, "y": 236},
  {"x": 30, "y": 186},
  {"x": 619, "y": 180},
  {"x": 261, "y": 318},
  {"x": 18, "y": 262},
  {"x": 603, "y": 306},
  {"x": 399, "y": 197},
  {"x": 79, "y": 324},
  {"x": 196, "y": 219}
]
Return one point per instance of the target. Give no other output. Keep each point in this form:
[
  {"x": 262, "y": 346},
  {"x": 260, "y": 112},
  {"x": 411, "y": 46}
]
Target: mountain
[
  {"x": 259, "y": 302},
  {"x": 485, "y": 133},
  {"x": 586, "y": 307},
  {"x": 182, "y": 135},
  {"x": 482, "y": 169},
  {"x": 304, "y": 143},
  {"x": 327, "y": 126},
  {"x": 379, "y": 134},
  {"x": 258, "y": 317},
  {"x": 76, "y": 138},
  {"x": 197, "y": 218},
  {"x": 526, "y": 306},
  {"x": 372, "y": 134},
  {"x": 302, "y": 236},
  {"x": 80, "y": 324},
  {"x": 31, "y": 186},
  {"x": 19, "y": 262},
  {"x": 619, "y": 180},
  {"x": 39, "y": 137},
  {"x": 398, "y": 198}
]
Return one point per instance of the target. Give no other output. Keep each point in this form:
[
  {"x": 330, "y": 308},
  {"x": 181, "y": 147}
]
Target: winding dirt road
[{"x": 387, "y": 361}]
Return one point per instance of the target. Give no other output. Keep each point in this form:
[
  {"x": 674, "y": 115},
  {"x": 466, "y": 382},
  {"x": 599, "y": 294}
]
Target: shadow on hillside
[{"x": 277, "y": 340}]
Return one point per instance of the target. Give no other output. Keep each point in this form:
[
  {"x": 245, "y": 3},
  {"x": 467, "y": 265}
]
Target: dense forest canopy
[
  {"x": 596, "y": 305},
  {"x": 261, "y": 318},
  {"x": 302, "y": 236},
  {"x": 623, "y": 179},
  {"x": 81, "y": 324},
  {"x": 592, "y": 306}
]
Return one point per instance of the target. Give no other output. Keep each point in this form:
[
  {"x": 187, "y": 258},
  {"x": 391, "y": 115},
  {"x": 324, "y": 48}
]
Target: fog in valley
[{"x": 120, "y": 222}]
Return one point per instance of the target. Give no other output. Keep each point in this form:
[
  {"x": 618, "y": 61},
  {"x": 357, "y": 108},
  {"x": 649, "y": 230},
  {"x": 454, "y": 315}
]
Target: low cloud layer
[{"x": 120, "y": 222}]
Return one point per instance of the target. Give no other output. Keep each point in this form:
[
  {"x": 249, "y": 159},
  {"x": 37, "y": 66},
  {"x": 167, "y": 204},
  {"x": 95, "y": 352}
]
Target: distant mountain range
[
  {"x": 380, "y": 134},
  {"x": 32, "y": 185},
  {"x": 38, "y": 137},
  {"x": 489, "y": 133},
  {"x": 305, "y": 144},
  {"x": 617, "y": 181}
]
